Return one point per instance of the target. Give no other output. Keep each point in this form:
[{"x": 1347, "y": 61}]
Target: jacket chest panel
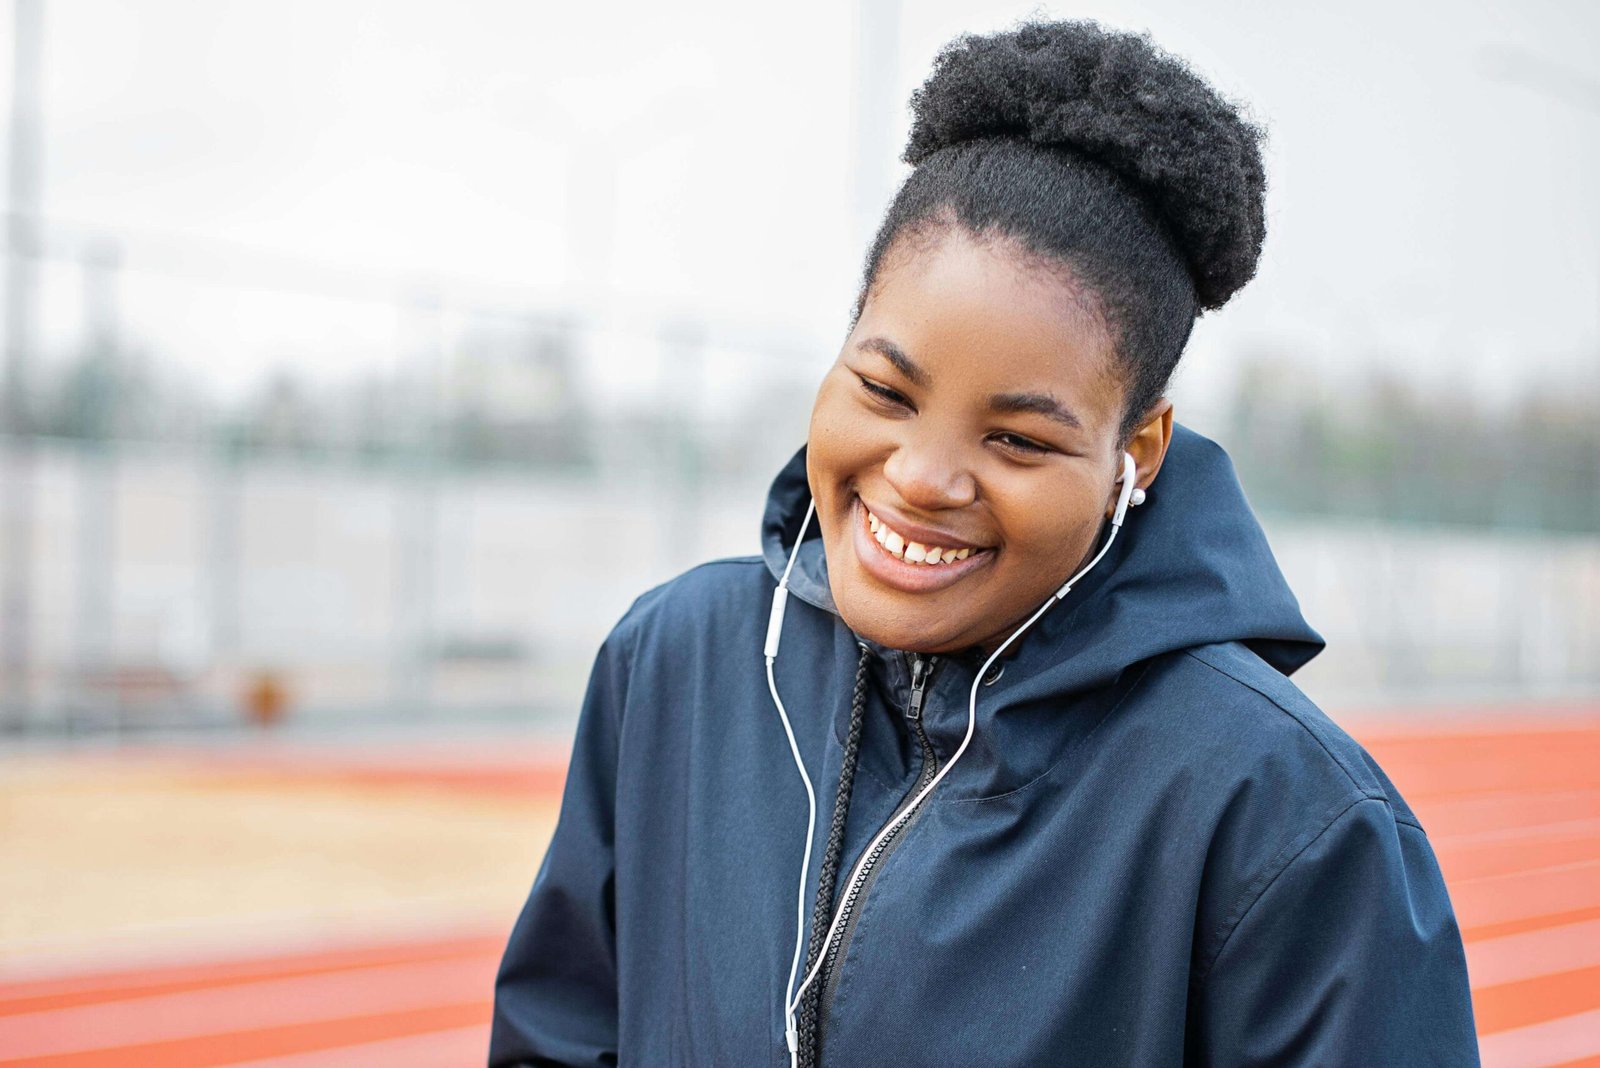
[{"x": 1012, "y": 945}]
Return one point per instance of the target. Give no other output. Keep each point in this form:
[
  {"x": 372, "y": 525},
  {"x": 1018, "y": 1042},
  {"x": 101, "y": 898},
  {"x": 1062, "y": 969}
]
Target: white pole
[{"x": 16, "y": 439}]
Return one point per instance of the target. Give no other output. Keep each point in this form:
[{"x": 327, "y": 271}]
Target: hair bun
[{"x": 1118, "y": 99}]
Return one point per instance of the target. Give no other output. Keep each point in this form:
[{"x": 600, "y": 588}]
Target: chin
[{"x": 909, "y": 637}]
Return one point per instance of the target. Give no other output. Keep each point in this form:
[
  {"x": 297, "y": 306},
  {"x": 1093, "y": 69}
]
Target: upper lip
[{"x": 929, "y": 537}]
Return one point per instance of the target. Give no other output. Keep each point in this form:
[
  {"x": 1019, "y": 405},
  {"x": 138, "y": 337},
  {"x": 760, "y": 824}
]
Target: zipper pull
[{"x": 919, "y": 679}]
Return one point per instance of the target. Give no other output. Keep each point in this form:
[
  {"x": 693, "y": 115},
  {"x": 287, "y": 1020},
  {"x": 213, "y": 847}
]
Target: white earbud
[{"x": 1131, "y": 494}]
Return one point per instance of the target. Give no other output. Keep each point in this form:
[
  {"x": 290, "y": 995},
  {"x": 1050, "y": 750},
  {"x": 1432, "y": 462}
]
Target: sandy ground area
[{"x": 109, "y": 857}]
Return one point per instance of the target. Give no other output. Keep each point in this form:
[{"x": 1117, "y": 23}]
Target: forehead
[{"x": 982, "y": 314}]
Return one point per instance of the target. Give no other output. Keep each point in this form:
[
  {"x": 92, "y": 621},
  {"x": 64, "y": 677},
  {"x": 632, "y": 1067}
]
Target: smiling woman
[
  {"x": 1114, "y": 833},
  {"x": 998, "y": 433}
]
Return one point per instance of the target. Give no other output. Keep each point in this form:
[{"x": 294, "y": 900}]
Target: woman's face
[{"x": 975, "y": 405}]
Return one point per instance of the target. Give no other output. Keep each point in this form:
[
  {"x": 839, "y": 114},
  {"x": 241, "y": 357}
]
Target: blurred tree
[{"x": 1386, "y": 449}]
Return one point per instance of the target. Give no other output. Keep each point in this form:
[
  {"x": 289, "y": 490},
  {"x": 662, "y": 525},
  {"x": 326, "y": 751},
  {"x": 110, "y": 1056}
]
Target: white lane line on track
[
  {"x": 1522, "y": 895},
  {"x": 1561, "y": 830},
  {"x": 1542, "y": 1045},
  {"x": 246, "y": 1006},
  {"x": 1527, "y": 954},
  {"x": 461, "y": 1045},
  {"x": 111, "y": 984}
]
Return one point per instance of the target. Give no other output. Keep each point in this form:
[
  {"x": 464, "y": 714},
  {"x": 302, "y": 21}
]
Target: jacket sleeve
[
  {"x": 1349, "y": 956},
  {"x": 555, "y": 1000}
]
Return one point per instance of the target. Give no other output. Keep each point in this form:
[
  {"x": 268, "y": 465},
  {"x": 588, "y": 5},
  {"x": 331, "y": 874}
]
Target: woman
[{"x": 1072, "y": 811}]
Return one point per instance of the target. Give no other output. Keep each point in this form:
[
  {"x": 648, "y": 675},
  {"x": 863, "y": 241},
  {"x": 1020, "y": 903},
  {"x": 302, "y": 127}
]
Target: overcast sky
[{"x": 699, "y": 161}]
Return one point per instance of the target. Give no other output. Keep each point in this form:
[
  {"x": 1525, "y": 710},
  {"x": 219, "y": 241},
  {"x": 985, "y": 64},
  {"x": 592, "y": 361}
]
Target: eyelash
[{"x": 889, "y": 396}]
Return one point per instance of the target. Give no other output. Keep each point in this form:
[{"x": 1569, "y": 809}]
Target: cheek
[
  {"x": 835, "y": 454},
  {"x": 841, "y": 432},
  {"x": 1051, "y": 530}
]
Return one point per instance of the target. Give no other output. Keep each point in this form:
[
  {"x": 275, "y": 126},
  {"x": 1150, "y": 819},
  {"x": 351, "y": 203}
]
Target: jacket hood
[{"x": 1191, "y": 566}]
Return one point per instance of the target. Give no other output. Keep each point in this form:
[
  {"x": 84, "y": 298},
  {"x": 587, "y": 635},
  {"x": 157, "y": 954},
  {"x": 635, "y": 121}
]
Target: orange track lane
[{"x": 1513, "y": 810}]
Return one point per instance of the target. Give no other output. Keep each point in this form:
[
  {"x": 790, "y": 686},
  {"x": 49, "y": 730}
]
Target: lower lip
[{"x": 884, "y": 566}]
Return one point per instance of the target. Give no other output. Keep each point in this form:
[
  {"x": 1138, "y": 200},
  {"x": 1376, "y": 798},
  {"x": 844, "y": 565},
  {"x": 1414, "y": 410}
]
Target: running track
[{"x": 1511, "y": 804}]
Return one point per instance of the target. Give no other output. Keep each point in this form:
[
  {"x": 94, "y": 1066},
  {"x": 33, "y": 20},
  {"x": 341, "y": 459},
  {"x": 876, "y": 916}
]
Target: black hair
[{"x": 1098, "y": 152}]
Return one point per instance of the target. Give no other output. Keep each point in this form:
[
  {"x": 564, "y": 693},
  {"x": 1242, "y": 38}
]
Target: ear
[{"x": 1149, "y": 447}]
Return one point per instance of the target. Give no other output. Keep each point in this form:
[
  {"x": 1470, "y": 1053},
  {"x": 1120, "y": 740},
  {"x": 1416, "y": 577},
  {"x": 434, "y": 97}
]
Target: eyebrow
[{"x": 1044, "y": 404}]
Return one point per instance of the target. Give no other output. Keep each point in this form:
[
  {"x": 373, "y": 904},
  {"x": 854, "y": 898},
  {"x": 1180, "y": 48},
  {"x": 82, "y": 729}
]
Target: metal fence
[{"x": 177, "y": 585}]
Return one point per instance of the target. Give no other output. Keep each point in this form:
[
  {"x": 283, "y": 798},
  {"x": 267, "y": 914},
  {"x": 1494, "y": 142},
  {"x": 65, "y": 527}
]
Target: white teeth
[{"x": 912, "y": 552}]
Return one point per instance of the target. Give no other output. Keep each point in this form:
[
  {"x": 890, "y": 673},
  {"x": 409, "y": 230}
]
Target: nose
[{"x": 930, "y": 477}]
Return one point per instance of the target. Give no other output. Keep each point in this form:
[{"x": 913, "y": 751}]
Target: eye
[
  {"x": 1023, "y": 445},
  {"x": 883, "y": 393}
]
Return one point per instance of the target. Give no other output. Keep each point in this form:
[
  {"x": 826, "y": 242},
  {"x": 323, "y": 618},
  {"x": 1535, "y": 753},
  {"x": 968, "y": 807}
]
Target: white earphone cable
[
  {"x": 774, "y": 632},
  {"x": 790, "y": 1030}
]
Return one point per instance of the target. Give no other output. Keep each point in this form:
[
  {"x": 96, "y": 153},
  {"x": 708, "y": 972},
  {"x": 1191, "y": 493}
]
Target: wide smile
[{"x": 908, "y": 575}]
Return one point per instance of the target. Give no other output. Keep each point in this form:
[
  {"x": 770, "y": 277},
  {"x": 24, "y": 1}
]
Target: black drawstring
[{"x": 822, "y": 912}]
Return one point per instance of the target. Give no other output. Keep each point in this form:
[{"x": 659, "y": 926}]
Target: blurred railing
[{"x": 172, "y": 584}]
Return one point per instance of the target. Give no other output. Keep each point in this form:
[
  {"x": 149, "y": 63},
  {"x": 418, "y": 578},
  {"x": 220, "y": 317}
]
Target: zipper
[{"x": 922, "y": 669}]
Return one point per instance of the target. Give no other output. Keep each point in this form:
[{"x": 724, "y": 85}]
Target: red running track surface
[{"x": 1512, "y": 806}]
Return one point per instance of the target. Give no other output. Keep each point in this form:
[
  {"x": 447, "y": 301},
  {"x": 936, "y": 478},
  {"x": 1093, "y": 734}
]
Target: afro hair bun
[{"x": 1119, "y": 100}]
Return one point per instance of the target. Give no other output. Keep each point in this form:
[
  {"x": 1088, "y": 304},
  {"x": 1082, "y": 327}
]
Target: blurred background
[{"x": 363, "y": 361}]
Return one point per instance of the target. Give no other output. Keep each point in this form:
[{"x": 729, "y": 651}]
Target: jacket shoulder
[
  {"x": 1266, "y": 775},
  {"x": 1273, "y": 722},
  {"x": 703, "y": 598}
]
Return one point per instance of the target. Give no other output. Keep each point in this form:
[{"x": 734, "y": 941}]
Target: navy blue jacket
[{"x": 1156, "y": 850}]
